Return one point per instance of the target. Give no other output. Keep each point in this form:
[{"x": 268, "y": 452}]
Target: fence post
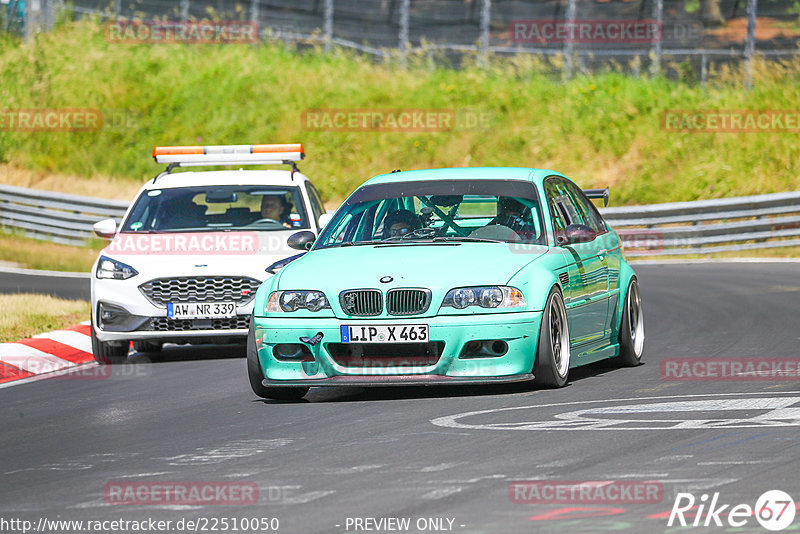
[
  {"x": 328, "y": 25},
  {"x": 750, "y": 43},
  {"x": 405, "y": 7},
  {"x": 254, "y": 17},
  {"x": 33, "y": 19},
  {"x": 486, "y": 17},
  {"x": 658, "y": 15},
  {"x": 253, "y": 10},
  {"x": 184, "y": 10},
  {"x": 568, "y": 44},
  {"x": 703, "y": 69}
]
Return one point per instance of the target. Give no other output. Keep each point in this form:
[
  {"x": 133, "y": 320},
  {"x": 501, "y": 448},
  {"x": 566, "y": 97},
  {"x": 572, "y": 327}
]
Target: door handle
[{"x": 603, "y": 252}]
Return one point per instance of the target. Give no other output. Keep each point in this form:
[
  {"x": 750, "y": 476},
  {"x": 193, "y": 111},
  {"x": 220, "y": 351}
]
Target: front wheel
[
  {"x": 111, "y": 352},
  {"x": 631, "y": 331},
  {"x": 256, "y": 375},
  {"x": 552, "y": 356}
]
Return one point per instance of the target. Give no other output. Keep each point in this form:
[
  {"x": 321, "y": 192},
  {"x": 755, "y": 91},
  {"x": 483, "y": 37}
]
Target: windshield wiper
[
  {"x": 355, "y": 243},
  {"x": 466, "y": 239}
]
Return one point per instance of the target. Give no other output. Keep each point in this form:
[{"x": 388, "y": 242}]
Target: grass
[
  {"x": 600, "y": 130},
  {"x": 23, "y": 315},
  {"x": 19, "y": 251}
]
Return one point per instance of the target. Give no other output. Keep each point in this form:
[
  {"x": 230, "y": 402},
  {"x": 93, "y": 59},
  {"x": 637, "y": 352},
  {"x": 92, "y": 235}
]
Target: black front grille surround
[
  {"x": 362, "y": 302},
  {"x": 237, "y": 289},
  {"x": 407, "y": 301},
  {"x": 170, "y": 324}
]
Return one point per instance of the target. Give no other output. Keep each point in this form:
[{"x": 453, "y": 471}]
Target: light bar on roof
[{"x": 188, "y": 156}]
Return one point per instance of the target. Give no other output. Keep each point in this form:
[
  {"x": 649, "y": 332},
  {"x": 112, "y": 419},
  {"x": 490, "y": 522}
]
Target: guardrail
[
  {"x": 708, "y": 226},
  {"x": 697, "y": 227},
  {"x": 55, "y": 217}
]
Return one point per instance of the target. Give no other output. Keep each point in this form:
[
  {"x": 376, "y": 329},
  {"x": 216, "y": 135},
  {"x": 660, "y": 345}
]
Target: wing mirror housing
[
  {"x": 301, "y": 240},
  {"x": 575, "y": 233},
  {"x": 324, "y": 219},
  {"x": 107, "y": 228}
]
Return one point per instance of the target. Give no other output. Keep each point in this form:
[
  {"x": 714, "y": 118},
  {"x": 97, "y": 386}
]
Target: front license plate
[
  {"x": 201, "y": 310},
  {"x": 403, "y": 333}
]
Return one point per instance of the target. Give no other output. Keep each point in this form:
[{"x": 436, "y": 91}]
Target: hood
[{"x": 438, "y": 267}]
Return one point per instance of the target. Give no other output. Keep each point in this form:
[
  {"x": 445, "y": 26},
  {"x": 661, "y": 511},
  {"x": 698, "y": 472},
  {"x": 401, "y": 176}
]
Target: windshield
[
  {"x": 453, "y": 210},
  {"x": 218, "y": 208}
]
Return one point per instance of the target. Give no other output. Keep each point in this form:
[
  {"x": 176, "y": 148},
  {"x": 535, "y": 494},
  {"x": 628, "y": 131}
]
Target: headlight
[
  {"x": 484, "y": 297},
  {"x": 116, "y": 270},
  {"x": 289, "y": 301}
]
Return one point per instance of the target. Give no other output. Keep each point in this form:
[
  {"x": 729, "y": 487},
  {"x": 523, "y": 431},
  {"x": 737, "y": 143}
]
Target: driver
[
  {"x": 276, "y": 207},
  {"x": 398, "y": 223},
  {"x": 513, "y": 214}
]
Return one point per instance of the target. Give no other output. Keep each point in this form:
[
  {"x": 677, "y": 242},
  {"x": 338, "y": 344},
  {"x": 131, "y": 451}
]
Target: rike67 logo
[{"x": 774, "y": 510}]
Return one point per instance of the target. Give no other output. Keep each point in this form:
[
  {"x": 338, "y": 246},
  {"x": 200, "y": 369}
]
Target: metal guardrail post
[
  {"x": 402, "y": 38},
  {"x": 486, "y": 18},
  {"x": 184, "y": 10},
  {"x": 658, "y": 16},
  {"x": 328, "y": 25},
  {"x": 569, "y": 45},
  {"x": 750, "y": 42}
]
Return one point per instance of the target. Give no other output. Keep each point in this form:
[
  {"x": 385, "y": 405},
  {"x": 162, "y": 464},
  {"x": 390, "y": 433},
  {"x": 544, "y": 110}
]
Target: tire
[
  {"x": 551, "y": 368},
  {"x": 109, "y": 353},
  {"x": 147, "y": 346},
  {"x": 256, "y": 375},
  {"x": 631, "y": 331}
]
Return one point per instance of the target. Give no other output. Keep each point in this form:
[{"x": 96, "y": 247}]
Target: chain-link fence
[{"x": 690, "y": 37}]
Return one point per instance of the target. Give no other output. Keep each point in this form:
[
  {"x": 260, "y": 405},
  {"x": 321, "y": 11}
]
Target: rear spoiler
[{"x": 598, "y": 193}]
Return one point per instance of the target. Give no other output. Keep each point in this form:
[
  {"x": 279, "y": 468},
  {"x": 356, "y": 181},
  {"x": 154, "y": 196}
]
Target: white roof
[{"x": 279, "y": 178}]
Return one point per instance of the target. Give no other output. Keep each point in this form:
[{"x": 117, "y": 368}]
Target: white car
[{"x": 193, "y": 248}]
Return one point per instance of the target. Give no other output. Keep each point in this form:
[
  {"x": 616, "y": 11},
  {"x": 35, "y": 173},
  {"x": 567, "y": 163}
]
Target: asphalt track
[{"x": 412, "y": 453}]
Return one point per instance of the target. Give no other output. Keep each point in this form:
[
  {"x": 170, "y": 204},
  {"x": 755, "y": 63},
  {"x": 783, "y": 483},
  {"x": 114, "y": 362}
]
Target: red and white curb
[{"x": 46, "y": 353}]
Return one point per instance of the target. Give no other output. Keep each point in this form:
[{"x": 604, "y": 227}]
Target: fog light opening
[
  {"x": 292, "y": 352},
  {"x": 489, "y": 348}
]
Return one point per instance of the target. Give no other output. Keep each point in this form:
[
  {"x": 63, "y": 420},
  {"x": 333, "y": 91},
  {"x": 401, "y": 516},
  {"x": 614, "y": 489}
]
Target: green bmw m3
[{"x": 448, "y": 276}]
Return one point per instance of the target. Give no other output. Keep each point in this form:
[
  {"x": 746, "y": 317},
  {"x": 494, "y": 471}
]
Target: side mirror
[
  {"x": 324, "y": 219},
  {"x": 575, "y": 233},
  {"x": 107, "y": 228},
  {"x": 301, "y": 240}
]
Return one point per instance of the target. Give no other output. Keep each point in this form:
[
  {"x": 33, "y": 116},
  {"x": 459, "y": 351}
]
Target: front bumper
[{"x": 519, "y": 330}]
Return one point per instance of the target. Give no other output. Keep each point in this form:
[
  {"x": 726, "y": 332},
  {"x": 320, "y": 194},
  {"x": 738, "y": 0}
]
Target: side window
[
  {"x": 588, "y": 213},
  {"x": 559, "y": 203}
]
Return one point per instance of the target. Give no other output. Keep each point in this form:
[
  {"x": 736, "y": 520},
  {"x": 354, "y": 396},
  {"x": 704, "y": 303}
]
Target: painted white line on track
[{"x": 450, "y": 421}]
